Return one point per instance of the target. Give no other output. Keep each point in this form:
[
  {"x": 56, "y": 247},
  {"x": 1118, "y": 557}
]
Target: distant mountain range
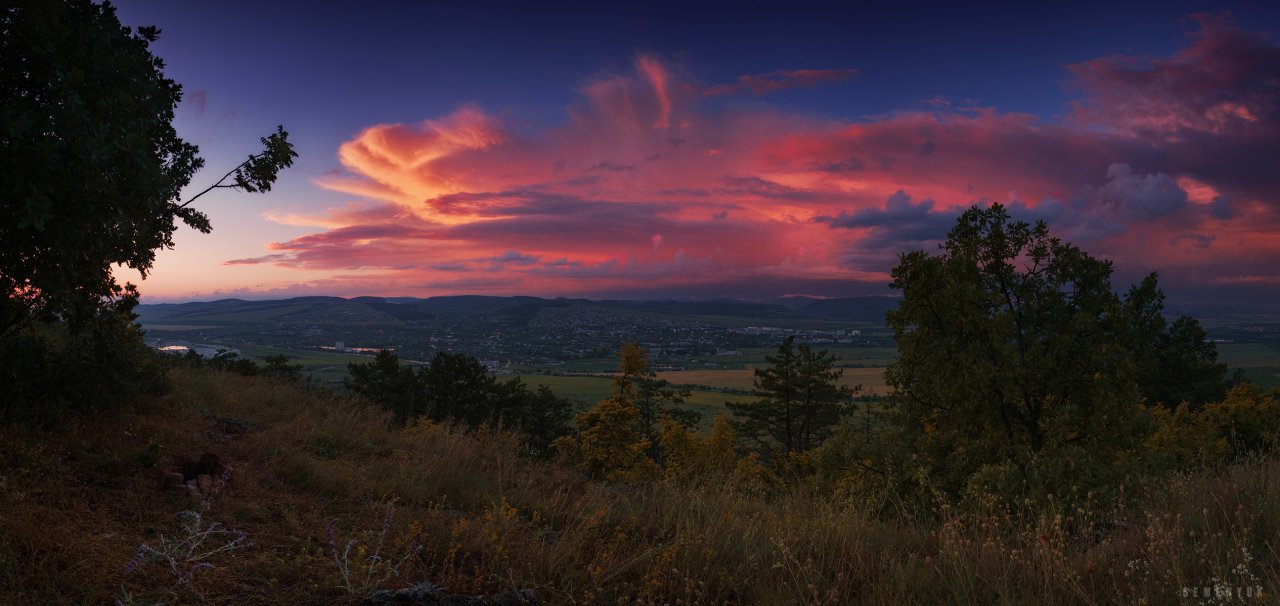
[{"x": 869, "y": 310}]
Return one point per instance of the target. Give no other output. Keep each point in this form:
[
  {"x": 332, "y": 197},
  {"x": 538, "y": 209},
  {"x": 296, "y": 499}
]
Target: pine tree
[{"x": 801, "y": 400}]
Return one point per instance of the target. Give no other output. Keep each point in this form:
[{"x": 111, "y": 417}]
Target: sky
[{"x": 749, "y": 150}]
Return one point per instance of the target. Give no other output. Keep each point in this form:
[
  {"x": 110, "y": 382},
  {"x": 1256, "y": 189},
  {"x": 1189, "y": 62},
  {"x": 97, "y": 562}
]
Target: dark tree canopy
[
  {"x": 1020, "y": 367},
  {"x": 457, "y": 388},
  {"x": 91, "y": 178},
  {"x": 384, "y": 380},
  {"x": 93, "y": 168}
]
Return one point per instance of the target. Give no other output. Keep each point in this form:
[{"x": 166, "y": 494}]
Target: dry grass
[{"x": 75, "y": 505}]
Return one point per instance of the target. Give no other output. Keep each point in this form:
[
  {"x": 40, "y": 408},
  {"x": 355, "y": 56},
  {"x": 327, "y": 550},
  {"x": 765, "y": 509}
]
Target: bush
[
  {"x": 50, "y": 372},
  {"x": 1246, "y": 422}
]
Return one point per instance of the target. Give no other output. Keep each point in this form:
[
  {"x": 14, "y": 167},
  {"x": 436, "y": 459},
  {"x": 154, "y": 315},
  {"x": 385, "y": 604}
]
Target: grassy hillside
[{"x": 76, "y": 505}]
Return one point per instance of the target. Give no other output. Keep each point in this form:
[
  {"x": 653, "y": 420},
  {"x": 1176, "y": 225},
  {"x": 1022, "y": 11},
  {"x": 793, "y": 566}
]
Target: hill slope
[{"x": 76, "y": 505}]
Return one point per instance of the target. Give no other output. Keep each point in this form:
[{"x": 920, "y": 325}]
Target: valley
[{"x": 710, "y": 348}]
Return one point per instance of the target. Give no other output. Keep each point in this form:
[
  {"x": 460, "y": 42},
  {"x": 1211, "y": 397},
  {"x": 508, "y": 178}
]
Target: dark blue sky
[{"x": 399, "y": 61}]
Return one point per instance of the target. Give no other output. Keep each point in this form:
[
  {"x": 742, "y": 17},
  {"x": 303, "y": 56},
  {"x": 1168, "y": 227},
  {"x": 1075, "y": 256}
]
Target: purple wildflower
[
  {"x": 137, "y": 559},
  {"x": 386, "y": 519},
  {"x": 333, "y": 539}
]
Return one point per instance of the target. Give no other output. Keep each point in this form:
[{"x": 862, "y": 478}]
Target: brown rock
[{"x": 170, "y": 479}]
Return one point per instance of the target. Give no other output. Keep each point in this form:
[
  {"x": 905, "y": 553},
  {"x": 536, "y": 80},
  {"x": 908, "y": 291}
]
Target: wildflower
[{"x": 137, "y": 559}]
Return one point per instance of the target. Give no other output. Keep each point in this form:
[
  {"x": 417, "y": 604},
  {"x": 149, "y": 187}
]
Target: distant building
[{"x": 339, "y": 346}]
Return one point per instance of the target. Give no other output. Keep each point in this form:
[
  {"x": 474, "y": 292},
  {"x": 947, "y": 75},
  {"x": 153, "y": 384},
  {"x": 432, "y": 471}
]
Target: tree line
[{"x": 457, "y": 388}]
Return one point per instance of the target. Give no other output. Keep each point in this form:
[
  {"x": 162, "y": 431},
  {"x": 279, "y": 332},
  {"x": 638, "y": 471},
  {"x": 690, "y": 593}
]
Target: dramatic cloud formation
[{"x": 654, "y": 184}]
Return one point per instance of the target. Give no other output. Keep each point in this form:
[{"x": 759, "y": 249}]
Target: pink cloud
[
  {"x": 647, "y": 185},
  {"x": 1224, "y": 82},
  {"x": 1210, "y": 111}
]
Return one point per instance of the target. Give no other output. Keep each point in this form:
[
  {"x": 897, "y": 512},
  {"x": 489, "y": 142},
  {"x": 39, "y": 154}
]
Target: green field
[
  {"x": 304, "y": 357},
  {"x": 1246, "y": 355},
  {"x": 703, "y": 398},
  {"x": 1259, "y": 362},
  {"x": 322, "y": 367},
  {"x": 845, "y": 356}
]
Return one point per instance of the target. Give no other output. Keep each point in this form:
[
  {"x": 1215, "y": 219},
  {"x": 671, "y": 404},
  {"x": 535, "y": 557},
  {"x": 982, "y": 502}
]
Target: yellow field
[{"x": 593, "y": 388}]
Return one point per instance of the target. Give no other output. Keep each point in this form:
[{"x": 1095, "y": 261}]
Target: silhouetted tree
[
  {"x": 539, "y": 414},
  {"x": 94, "y": 167},
  {"x": 456, "y": 388},
  {"x": 397, "y": 388},
  {"x": 278, "y": 366}
]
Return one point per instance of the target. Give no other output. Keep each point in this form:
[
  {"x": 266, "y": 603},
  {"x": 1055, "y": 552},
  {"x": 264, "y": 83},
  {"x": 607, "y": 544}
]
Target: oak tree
[{"x": 1019, "y": 369}]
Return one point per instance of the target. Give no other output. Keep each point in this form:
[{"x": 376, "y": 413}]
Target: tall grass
[{"x": 75, "y": 505}]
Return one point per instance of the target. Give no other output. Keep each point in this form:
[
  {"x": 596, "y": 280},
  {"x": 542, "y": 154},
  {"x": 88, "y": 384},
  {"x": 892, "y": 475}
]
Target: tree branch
[{"x": 224, "y": 178}]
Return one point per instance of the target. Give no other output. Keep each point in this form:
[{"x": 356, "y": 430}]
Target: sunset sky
[{"x": 627, "y": 150}]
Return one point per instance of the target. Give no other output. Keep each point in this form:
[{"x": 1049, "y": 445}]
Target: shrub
[
  {"x": 1246, "y": 422},
  {"x": 50, "y": 372}
]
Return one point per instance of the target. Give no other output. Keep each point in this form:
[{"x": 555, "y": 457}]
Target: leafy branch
[{"x": 257, "y": 173}]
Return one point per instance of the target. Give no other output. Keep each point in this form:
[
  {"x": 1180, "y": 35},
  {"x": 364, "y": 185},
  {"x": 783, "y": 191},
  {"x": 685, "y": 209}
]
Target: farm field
[
  {"x": 846, "y": 356},
  {"x": 1259, "y": 362},
  {"x": 595, "y": 388},
  {"x": 179, "y": 327},
  {"x": 328, "y": 369},
  {"x": 871, "y": 379},
  {"x": 304, "y": 357},
  {"x": 588, "y": 390},
  {"x": 1246, "y": 355}
]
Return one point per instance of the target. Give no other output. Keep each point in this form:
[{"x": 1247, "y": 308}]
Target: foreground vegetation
[{"x": 76, "y": 505}]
